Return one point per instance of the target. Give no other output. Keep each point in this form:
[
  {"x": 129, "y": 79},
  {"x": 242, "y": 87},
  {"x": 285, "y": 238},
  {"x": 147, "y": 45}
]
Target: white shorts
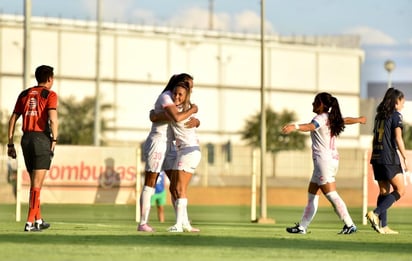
[
  {"x": 154, "y": 154},
  {"x": 170, "y": 158},
  {"x": 324, "y": 170},
  {"x": 188, "y": 159}
]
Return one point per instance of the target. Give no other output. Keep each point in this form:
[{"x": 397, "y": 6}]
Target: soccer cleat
[
  {"x": 387, "y": 230},
  {"x": 42, "y": 225},
  {"x": 175, "y": 229},
  {"x": 189, "y": 228},
  {"x": 374, "y": 220},
  {"x": 31, "y": 228},
  {"x": 297, "y": 229},
  {"x": 145, "y": 228},
  {"x": 348, "y": 230}
]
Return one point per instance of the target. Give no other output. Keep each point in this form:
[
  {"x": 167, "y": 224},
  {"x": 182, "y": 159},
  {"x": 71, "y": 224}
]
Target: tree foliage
[
  {"x": 76, "y": 121},
  {"x": 4, "y": 123},
  {"x": 275, "y": 139},
  {"x": 407, "y": 135}
]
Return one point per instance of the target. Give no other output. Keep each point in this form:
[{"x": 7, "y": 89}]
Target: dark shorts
[
  {"x": 36, "y": 150},
  {"x": 386, "y": 172}
]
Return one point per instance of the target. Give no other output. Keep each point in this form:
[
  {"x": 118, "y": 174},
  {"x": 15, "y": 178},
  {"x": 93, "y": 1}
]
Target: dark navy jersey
[{"x": 384, "y": 149}]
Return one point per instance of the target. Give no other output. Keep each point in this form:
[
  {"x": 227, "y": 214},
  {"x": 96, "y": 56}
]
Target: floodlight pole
[
  {"x": 211, "y": 14},
  {"x": 97, "y": 121},
  {"x": 27, "y": 44},
  {"x": 263, "y": 204},
  {"x": 26, "y": 82},
  {"x": 389, "y": 67}
]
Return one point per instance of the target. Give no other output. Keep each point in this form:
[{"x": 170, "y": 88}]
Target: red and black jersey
[{"x": 33, "y": 104}]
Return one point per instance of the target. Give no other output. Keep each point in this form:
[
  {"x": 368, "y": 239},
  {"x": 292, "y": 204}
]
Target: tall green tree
[
  {"x": 4, "y": 125},
  {"x": 76, "y": 121},
  {"x": 275, "y": 140},
  {"x": 407, "y": 135}
]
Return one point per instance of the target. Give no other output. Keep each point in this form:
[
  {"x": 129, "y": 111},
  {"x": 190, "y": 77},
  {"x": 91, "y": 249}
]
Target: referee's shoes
[
  {"x": 41, "y": 224},
  {"x": 29, "y": 227}
]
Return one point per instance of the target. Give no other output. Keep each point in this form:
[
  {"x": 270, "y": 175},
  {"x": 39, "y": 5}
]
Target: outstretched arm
[
  {"x": 351, "y": 120},
  {"x": 288, "y": 128}
]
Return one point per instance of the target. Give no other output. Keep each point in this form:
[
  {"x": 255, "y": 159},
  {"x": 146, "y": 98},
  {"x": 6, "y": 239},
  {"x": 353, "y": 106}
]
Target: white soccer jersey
[
  {"x": 155, "y": 145},
  {"x": 187, "y": 145},
  {"x": 323, "y": 144},
  {"x": 159, "y": 129},
  {"x": 325, "y": 154},
  {"x": 184, "y": 137}
]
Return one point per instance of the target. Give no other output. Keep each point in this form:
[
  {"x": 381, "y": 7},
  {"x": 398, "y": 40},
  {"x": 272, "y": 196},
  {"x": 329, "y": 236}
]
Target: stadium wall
[
  {"x": 88, "y": 174},
  {"x": 136, "y": 61},
  {"x": 109, "y": 175}
]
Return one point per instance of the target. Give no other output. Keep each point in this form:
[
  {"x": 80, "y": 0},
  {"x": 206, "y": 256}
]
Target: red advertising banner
[{"x": 89, "y": 175}]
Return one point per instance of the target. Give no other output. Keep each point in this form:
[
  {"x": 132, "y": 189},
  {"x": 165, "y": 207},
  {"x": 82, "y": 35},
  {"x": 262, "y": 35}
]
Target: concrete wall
[
  {"x": 137, "y": 61},
  {"x": 76, "y": 172}
]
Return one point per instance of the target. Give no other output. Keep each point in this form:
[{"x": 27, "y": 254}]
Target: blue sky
[{"x": 384, "y": 25}]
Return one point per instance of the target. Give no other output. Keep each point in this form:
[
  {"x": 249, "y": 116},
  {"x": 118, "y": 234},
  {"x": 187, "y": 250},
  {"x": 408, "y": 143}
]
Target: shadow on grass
[
  {"x": 98, "y": 227},
  {"x": 198, "y": 240}
]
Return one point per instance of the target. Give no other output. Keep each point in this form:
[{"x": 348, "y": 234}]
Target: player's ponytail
[
  {"x": 336, "y": 122},
  {"x": 331, "y": 106}
]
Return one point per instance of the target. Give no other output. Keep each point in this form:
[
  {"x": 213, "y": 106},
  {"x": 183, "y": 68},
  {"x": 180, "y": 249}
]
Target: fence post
[
  {"x": 365, "y": 187},
  {"x": 253, "y": 217},
  {"x": 138, "y": 182}
]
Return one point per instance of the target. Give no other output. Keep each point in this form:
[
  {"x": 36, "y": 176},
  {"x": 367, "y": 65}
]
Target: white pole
[
  {"x": 389, "y": 67},
  {"x": 211, "y": 13},
  {"x": 26, "y": 82},
  {"x": 389, "y": 80},
  {"x": 20, "y": 168},
  {"x": 263, "y": 207},
  {"x": 27, "y": 43},
  {"x": 253, "y": 187},
  {"x": 97, "y": 126},
  {"x": 138, "y": 183},
  {"x": 365, "y": 188},
  {"x": 205, "y": 176}
]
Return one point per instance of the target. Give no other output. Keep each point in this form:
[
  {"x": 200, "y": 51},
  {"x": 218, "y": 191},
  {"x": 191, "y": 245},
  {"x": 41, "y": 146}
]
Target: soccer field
[{"x": 108, "y": 232}]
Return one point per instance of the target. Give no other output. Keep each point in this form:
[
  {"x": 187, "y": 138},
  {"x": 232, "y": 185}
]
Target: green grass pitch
[{"x": 108, "y": 232}]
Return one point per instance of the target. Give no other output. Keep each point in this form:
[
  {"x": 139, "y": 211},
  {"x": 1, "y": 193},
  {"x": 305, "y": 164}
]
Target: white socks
[
  {"x": 310, "y": 210},
  {"x": 340, "y": 207},
  {"x": 337, "y": 203},
  {"x": 145, "y": 197},
  {"x": 181, "y": 212}
]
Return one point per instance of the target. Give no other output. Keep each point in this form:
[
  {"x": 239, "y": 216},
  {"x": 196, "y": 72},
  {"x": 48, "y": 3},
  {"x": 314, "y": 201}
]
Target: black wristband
[
  {"x": 54, "y": 140},
  {"x": 10, "y": 145}
]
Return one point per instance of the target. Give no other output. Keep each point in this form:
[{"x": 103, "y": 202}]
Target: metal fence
[{"x": 232, "y": 165}]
